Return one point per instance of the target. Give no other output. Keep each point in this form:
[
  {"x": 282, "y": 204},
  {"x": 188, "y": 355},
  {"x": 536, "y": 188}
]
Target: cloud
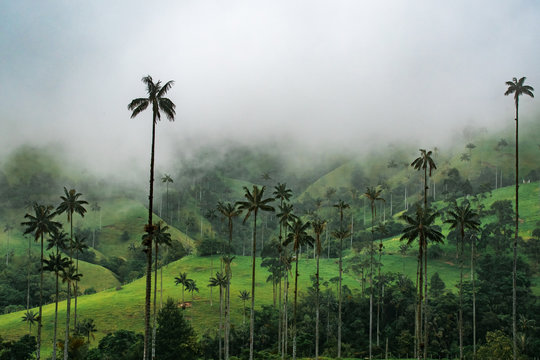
[{"x": 335, "y": 75}]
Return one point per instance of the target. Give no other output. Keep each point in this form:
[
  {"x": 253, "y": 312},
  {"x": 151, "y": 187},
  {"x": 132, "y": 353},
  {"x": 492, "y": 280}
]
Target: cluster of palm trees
[
  {"x": 419, "y": 226},
  {"x": 41, "y": 224}
]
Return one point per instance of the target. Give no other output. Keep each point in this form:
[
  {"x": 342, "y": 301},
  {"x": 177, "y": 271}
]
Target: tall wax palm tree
[
  {"x": 285, "y": 216},
  {"x": 156, "y": 98},
  {"x": 161, "y": 237},
  {"x": 69, "y": 275},
  {"x": 373, "y": 194},
  {"x": 191, "y": 286},
  {"x": 244, "y": 296},
  {"x": 420, "y": 227},
  {"x": 56, "y": 263},
  {"x": 298, "y": 236},
  {"x": 221, "y": 280},
  {"x": 40, "y": 224},
  {"x": 167, "y": 179},
  {"x": 341, "y": 235},
  {"x": 381, "y": 229},
  {"x": 31, "y": 318},
  {"x": 79, "y": 246},
  {"x": 7, "y": 229},
  {"x": 318, "y": 228},
  {"x": 254, "y": 203},
  {"x": 181, "y": 280},
  {"x": 425, "y": 162},
  {"x": 229, "y": 211},
  {"x": 227, "y": 262},
  {"x": 460, "y": 218},
  {"x": 518, "y": 88}
]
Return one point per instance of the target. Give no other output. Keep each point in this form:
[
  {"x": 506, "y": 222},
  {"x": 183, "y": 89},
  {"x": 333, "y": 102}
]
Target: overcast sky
[{"x": 338, "y": 73}]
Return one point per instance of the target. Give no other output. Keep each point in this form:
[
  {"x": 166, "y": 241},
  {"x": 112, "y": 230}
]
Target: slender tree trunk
[
  {"x": 286, "y": 315},
  {"x": 339, "y": 295},
  {"x": 461, "y": 297},
  {"x": 473, "y": 246},
  {"x": 295, "y": 304},
  {"x": 425, "y": 312},
  {"x": 66, "y": 339},
  {"x": 40, "y": 301},
  {"x": 317, "y": 291},
  {"x": 220, "y": 321},
  {"x": 514, "y": 272},
  {"x": 150, "y": 230},
  {"x": 55, "y": 316},
  {"x": 252, "y": 311},
  {"x": 155, "y": 308},
  {"x": 76, "y": 290},
  {"x": 420, "y": 299}
]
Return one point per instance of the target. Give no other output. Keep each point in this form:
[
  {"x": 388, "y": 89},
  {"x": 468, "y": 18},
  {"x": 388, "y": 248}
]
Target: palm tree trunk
[
  {"x": 461, "y": 298},
  {"x": 155, "y": 309},
  {"x": 339, "y": 295},
  {"x": 76, "y": 290},
  {"x": 252, "y": 311},
  {"x": 473, "y": 245},
  {"x": 514, "y": 272},
  {"x": 295, "y": 304},
  {"x": 285, "y": 315},
  {"x": 220, "y": 332},
  {"x": 420, "y": 299},
  {"x": 150, "y": 230},
  {"x": 66, "y": 339},
  {"x": 40, "y": 301},
  {"x": 317, "y": 290},
  {"x": 425, "y": 313},
  {"x": 55, "y": 317}
]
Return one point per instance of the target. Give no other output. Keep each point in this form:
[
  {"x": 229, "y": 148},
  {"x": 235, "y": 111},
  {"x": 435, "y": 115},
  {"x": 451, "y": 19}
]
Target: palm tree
[
  {"x": 70, "y": 205},
  {"x": 95, "y": 207},
  {"x": 373, "y": 195},
  {"x": 425, "y": 162},
  {"x": 78, "y": 245},
  {"x": 420, "y": 227},
  {"x": 462, "y": 217},
  {"x": 7, "y": 229},
  {"x": 518, "y": 88},
  {"x": 244, "y": 296},
  {"x": 39, "y": 224},
  {"x": 156, "y": 92},
  {"x": 318, "y": 228},
  {"x": 298, "y": 236},
  {"x": 182, "y": 280},
  {"x": 341, "y": 235},
  {"x": 227, "y": 261},
  {"x": 161, "y": 236},
  {"x": 254, "y": 202},
  {"x": 69, "y": 275},
  {"x": 221, "y": 280},
  {"x": 381, "y": 229},
  {"x": 31, "y": 318},
  {"x": 167, "y": 179},
  {"x": 191, "y": 286},
  {"x": 87, "y": 328},
  {"x": 56, "y": 264}
]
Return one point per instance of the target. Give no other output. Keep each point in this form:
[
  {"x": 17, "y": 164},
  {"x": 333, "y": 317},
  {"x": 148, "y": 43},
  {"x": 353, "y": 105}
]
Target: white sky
[{"x": 337, "y": 73}]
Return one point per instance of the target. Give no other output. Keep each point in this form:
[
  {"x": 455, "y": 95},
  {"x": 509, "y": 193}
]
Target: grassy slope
[{"x": 123, "y": 309}]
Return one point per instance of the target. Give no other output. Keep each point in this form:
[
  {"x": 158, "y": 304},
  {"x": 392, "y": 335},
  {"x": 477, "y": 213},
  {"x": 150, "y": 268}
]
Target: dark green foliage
[
  {"x": 22, "y": 349},
  {"x": 175, "y": 339},
  {"x": 121, "y": 345}
]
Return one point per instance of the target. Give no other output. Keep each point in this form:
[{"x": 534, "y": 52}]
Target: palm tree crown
[
  {"x": 156, "y": 93},
  {"x": 518, "y": 88},
  {"x": 71, "y": 204}
]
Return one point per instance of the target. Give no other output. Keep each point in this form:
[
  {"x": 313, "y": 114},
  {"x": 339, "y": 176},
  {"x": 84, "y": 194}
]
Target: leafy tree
[
  {"x": 518, "y": 88},
  {"x": 156, "y": 98},
  {"x": 498, "y": 346},
  {"x": 39, "y": 224},
  {"x": 121, "y": 345},
  {"x": 255, "y": 201},
  {"x": 176, "y": 339}
]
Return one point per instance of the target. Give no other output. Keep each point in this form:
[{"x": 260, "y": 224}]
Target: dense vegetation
[{"x": 378, "y": 294}]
